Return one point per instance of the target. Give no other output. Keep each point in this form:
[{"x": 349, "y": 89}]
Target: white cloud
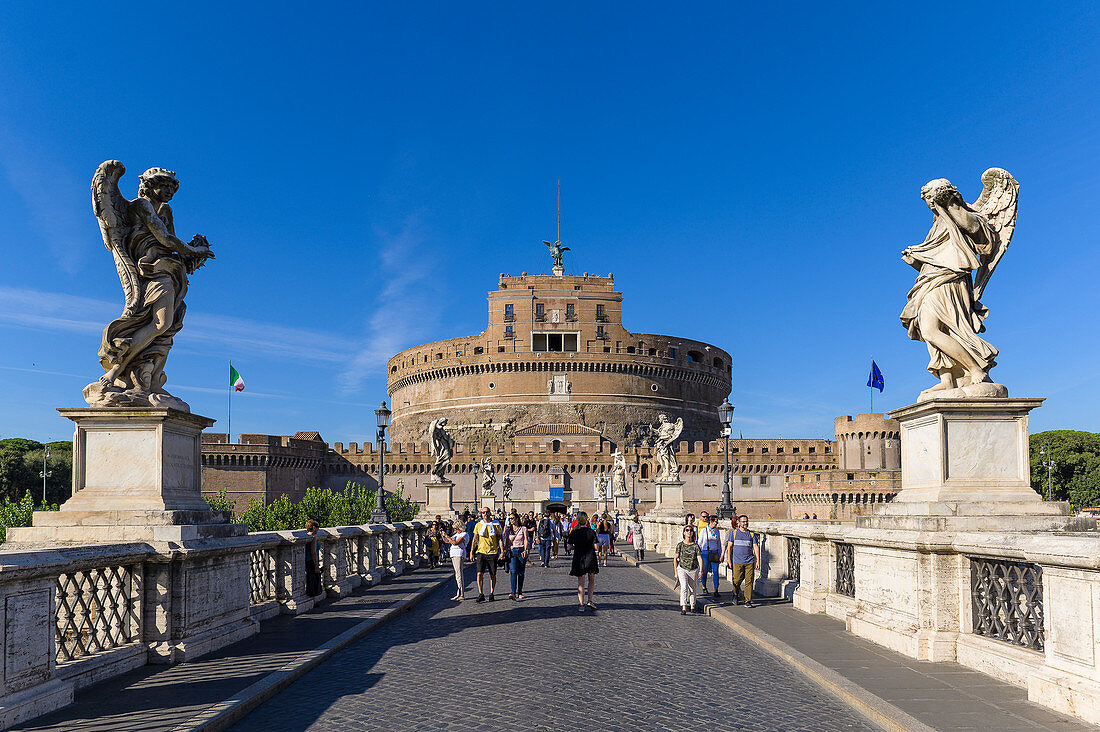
[
  {"x": 52, "y": 311},
  {"x": 405, "y": 308}
]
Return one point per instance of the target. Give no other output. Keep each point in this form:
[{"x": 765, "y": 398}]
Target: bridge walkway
[
  {"x": 634, "y": 664},
  {"x": 940, "y": 695}
]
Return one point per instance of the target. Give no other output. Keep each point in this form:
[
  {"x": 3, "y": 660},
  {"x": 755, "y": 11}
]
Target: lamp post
[
  {"x": 1049, "y": 464},
  {"x": 633, "y": 469},
  {"x": 725, "y": 415},
  {"x": 45, "y": 473},
  {"x": 477, "y": 496},
  {"x": 381, "y": 515}
]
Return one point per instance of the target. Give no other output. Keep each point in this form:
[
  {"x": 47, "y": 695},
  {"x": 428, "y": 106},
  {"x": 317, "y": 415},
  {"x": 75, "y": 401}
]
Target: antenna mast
[{"x": 559, "y": 211}]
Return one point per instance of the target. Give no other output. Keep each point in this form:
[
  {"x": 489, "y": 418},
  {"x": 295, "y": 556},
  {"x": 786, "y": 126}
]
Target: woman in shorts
[{"x": 603, "y": 537}]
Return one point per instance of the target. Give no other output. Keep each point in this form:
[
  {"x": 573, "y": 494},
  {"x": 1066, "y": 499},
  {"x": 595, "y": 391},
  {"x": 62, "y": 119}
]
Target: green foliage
[
  {"x": 1076, "y": 474},
  {"x": 351, "y": 507},
  {"x": 219, "y": 502},
  {"x": 21, "y": 467},
  {"x": 18, "y": 513}
]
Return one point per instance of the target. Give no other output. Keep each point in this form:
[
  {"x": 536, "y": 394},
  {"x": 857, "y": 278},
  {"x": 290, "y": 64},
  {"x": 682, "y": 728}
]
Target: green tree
[
  {"x": 1075, "y": 476},
  {"x": 21, "y": 469}
]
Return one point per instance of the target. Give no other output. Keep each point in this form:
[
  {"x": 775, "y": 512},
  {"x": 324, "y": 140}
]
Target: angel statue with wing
[
  {"x": 664, "y": 434},
  {"x": 556, "y": 251},
  {"x": 442, "y": 448},
  {"x": 153, "y": 265},
  {"x": 955, "y": 262}
]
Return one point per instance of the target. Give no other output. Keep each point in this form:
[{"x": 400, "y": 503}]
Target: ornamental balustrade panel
[
  {"x": 1006, "y": 600},
  {"x": 351, "y": 555},
  {"x": 261, "y": 576},
  {"x": 845, "y": 569},
  {"x": 98, "y": 608},
  {"x": 794, "y": 559}
]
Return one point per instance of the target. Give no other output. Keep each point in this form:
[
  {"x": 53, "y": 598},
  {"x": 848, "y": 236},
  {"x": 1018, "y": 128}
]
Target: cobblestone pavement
[{"x": 634, "y": 664}]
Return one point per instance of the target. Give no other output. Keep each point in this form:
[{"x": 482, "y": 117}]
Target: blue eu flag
[{"x": 875, "y": 380}]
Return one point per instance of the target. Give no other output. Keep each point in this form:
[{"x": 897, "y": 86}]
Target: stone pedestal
[
  {"x": 965, "y": 467},
  {"x": 623, "y": 503},
  {"x": 670, "y": 498},
  {"x": 440, "y": 498},
  {"x": 489, "y": 502},
  {"x": 137, "y": 476}
]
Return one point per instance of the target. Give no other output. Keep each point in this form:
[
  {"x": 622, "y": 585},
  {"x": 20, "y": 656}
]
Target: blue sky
[{"x": 364, "y": 172}]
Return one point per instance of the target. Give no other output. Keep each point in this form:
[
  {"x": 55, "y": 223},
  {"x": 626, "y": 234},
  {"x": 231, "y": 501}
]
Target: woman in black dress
[{"x": 585, "y": 562}]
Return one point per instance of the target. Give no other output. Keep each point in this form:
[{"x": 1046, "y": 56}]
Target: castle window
[
  {"x": 540, "y": 311},
  {"x": 630, "y": 349},
  {"x": 393, "y": 369},
  {"x": 695, "y": 356},
  {"x": 509, "y": 311},
  {"x": 851, "y": 476},
  {"x": 763, "y": 451},
  {"x": 795, "y": 450},
  {"x": 718, "y": 363},
  {"x": 601, "y": 315},
  {"x": 763, "y": 480},
  {"x": 745, "y": 480},
  {"x": 812, "y": 450},
  {"x": 554, "y": 342},
  {"x": 644, "y": 472},
  {"x": 438, "y": 356},
  {"x": 492, "y": 385},
  {"x": 653, "y": 352},
  {"x": 779, "y": 450},
  {"x": 478, "y": 350},
  {"x": 570, "y": 311},
  {"x": 600, "y": 332},
  {"x": 500, "y": 349},
  {"x": 735, "y": 450},
  {"x": 509, "y": 334},
  {"x": 555, "y": 446},
  {"x": 672, "y": 352}
]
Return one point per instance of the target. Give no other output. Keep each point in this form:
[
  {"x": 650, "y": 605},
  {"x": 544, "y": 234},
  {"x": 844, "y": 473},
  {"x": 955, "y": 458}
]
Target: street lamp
[
  {"x": 633, "y": 469},
  {"x": 380, "y": 515},
  {"x": 725, "y": 415},
  {"x": 1049, "y": 464},
  {"x": 477, "y": 496},
  {"x": 45, "y": 473}
]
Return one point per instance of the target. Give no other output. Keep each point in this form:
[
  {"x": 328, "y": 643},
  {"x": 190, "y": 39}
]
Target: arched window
[
  {"x": 644, "y": 473},
  {"x": 555, "y": 446}
]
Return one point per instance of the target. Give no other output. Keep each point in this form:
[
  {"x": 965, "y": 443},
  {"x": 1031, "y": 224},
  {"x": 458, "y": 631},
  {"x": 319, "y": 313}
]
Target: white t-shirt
[{"x": 459, "y": 549}]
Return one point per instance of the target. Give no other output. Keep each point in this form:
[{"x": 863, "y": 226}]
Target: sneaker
[
  {"x": 716, "y": 595},
  {"x": 749, "y": 604},
  {"x": 481, "y": 598},
  {"x": 683, "y": 611},
  {"x": 591, "y": 604},
  {"x": 583, "y": 608},
  {"x": 490, "y": 597}
]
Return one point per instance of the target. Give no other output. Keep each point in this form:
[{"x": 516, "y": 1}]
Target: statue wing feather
[
  {"x": 1000, "y": 195},
  {"x": 113, "y": 212},
  {"x": 679, "y": 428}
]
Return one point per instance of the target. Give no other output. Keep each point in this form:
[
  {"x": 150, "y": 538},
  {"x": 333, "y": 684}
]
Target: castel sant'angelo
[{"x": 548, "y": 392}]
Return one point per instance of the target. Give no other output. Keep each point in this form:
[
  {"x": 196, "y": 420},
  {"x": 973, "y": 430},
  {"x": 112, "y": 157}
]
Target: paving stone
[{"x": 633, "y": 664}]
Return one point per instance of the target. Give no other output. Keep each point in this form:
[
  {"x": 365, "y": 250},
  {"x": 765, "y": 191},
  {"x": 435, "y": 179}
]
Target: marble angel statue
[
  {"x": 665, "y": 433},
  {"x": 955, "y": 262},
  {"x": 442, "y": 448},
  {"x": 153, "y": 265},
  {"x": 618, "y": 474},
  {"x": 488, "y": 477}
]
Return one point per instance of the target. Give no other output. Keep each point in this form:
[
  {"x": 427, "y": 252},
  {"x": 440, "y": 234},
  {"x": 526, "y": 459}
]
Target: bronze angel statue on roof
[
  {"x": 153, "y": 265},
  {"x": 556, "y": 251},
  {"x": 955, "y": 262}
]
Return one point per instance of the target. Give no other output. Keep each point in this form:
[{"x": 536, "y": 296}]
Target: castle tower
[{"x": 868, "y": 442}]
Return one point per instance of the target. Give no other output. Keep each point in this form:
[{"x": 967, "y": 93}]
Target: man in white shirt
[{"x": 710, "y": 541}]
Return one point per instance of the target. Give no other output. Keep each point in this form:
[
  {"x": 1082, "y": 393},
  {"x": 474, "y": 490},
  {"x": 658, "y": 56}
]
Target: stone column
[{"x": 440, "y": 498}]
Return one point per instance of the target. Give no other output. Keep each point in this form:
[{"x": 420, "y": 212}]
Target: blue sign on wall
[{"x": 557, "y": 494}]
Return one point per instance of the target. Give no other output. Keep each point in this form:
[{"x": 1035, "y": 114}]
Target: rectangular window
[
  {"x": 540, "y": 311},
  {"x": 813, "y": 450},
  {"x": 671, "y": 352},
  {"x": 509, "y": 311},
  {"x": 570, "y": 311},
  {"x": 795, "y": 450},
  {"x": 600, "y": 314},
  {"x": 508, "y": 332},
  {"x": 763, "y": 480},
  {"x": 600, "y": 333},
  {"x": 851, "y": 476},
  {"x": 745, "y": 480},
  {"x": 763, "y": 451},
  {"x": 554, "y": 342}
]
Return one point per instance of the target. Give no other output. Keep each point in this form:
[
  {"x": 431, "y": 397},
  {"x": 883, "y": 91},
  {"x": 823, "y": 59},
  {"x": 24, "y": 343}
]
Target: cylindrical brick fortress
[{"x": 555, "y": 352}]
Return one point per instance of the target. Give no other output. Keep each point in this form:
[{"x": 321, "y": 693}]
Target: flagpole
[
  {"x": 229, "y": 421},
  {"x": 872, "y": 388}
]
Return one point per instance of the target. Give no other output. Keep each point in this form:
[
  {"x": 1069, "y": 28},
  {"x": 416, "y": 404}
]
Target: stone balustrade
[
  {"x": 1021, "y": 606},
  {"x": 76, "y": 615}
]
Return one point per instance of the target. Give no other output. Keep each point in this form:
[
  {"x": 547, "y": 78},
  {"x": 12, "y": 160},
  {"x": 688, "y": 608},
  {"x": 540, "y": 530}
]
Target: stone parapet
[
  {"x": 940, "y": 596},
  {"x": 77, "y": 615}
]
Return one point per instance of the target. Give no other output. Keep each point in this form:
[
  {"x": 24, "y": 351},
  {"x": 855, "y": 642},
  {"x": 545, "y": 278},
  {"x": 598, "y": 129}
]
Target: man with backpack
[{"x": 545, "y": 533}]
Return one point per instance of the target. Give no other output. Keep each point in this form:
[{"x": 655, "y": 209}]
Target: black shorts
[{"x": 486, "y": 563}]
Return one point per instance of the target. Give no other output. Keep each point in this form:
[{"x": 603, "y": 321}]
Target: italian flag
[{"x": 235, "y": 379}]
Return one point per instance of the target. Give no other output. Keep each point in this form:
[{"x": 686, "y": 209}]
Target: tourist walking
[
  {"x": 545, "y": 533},
  {"x": 529, "y": 525},
  {"x": 313, "y": 560},
  {"x": 687, "y": 560},
  {"x": 563, "y": 532},
  {"x": 517, "y": 544},
  {"x": 603, "y": 536},
  {"x": 638, "y": 538},
  {"x": 743, "y": 557},
  {"x": 485, "y": 551},
  {"x": 456, "y": 537},
  {"x": 710, "y": 541},
  {"x": 586, "y": 565}
]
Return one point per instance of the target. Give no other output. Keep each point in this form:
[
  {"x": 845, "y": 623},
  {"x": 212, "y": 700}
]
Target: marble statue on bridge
[
  {"x": 489, "y": 476},
  {"x": 664, "y": 434},
  {"x": 153, "y": 265},
  {"x": 618, "y": 474},
  {"x": 955, "y": 261},
  {"x": 442, "y": 448}
]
